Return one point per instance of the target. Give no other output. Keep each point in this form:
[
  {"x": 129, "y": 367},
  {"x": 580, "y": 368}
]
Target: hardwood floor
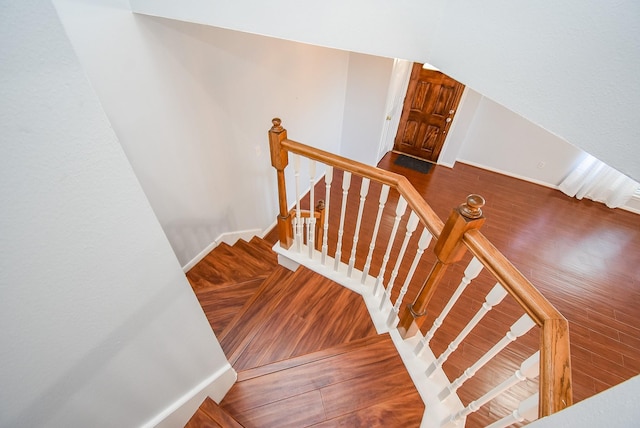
[
  {"x": 306, "y": 351},
  {"x": 356, "y": 384},
  {"x": 583, "y": 257}
]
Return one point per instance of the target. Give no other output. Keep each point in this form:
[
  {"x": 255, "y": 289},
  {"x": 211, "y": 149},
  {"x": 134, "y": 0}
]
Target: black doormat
[{"x": 413, "y": 163}]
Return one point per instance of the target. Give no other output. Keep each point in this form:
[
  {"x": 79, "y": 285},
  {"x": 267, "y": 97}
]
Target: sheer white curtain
[{"x": 595, "y": 180}]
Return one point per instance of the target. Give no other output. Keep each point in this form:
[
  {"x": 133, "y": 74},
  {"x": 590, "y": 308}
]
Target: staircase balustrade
[{"x": 456, "y": 237}]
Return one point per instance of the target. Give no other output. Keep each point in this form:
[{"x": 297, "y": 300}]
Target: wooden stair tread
[
  {"x": 263, "y": 245},
  {"x": 222, "y": 304},
  {"x": 241, "y": 328},
  {"x": 201, "y": 420},
  {"x": 256, "y": 256},
  {"x": 293, "y": 355},
  {"x": 312, "y": 313},
  {"x": 391, "y": 413},
  {"x": 371, "y": 371},
  {"x": 322, "y": 354},
  {"x": 236, "y": 261},
  {"x": 259, "y": 249},
  {"x": 226, "y": 265},
  {"x": 210, "y": 415}
]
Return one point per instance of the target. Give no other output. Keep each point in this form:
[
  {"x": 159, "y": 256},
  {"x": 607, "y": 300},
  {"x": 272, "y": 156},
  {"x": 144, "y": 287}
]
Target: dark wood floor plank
[
  {"x": 275, "y": 386},
  {"x": 218, "y": 415},
  {"x": 396, "y": 412},
  {"x": 313, "y": 313},
  {"x": 222, "y": 304},
  {"x": 202, "y": 420},
  {"x": 240, "y": 330},
  {"x": 365, "y": 391},
  {"x": 273, "y": 342},
  {"x": 255, "y": 255},
  {"x": 236, "y": 262},
  {"x": 295, "y": 412},
  {"x": 309, "y": 358}
]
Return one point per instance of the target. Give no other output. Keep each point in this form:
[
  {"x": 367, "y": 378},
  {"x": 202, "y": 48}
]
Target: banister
[
  {"x": 555, "y": 367},
  {"x": 519, "y": 287},
  {"x": 429, "y": 218},
  {"x": 555, "y": 390},
  {"x": 555, "y": 361}
]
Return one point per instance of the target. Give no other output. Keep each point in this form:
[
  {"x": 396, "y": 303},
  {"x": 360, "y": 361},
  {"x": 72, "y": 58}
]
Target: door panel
[{"x": 431, "y": 102}]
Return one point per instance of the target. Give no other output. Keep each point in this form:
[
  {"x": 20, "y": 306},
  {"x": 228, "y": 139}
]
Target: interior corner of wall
[{"x": 215, "y": 386}]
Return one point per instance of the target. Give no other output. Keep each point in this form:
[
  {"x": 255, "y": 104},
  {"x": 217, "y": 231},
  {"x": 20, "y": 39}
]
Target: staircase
[
  {"x": 210, "y": 415},
  {"x": 340, "y": 338},
  {"x": 305, "y": 348}
]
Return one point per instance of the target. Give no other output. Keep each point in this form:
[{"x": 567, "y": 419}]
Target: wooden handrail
[
  {"x": 555, "y": 363},
  {"x": 429, "y": 218},
  {"x": 519, "y": 287}
]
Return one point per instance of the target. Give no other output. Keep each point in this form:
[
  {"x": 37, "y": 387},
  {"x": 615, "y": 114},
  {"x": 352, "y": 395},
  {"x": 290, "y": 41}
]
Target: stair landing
[{"x": 304, "y": 347}]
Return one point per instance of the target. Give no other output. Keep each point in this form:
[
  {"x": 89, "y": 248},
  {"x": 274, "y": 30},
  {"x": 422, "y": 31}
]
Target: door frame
[{"x": 414, "y": 73}]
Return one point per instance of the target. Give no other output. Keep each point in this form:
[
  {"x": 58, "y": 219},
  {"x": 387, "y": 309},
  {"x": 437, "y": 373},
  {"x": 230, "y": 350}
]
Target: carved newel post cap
[
  {"x": 276, "y": 124},
  {"x": 472, "y": 208}
]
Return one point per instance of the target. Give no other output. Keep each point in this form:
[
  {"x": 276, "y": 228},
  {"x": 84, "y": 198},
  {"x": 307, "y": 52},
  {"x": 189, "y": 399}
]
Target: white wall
[
  {"x": 364, "y": 107},
  {"x": 500, "y": 140},
  {"x": 615, "y": 407},
  {"x": 391, "y": 29},
  {"x": 568, "y": 66},
  {"x": 99, "y": 326},
  {"x": 398, "y": 84},
  {"x": 192, "y": 105}
]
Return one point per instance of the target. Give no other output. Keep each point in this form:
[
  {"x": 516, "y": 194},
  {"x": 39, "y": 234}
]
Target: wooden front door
[{"x": 431, "y": 102}]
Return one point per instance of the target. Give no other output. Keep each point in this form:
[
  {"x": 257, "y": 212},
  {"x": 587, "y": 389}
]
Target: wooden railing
[{"x": 452, "y": 239}]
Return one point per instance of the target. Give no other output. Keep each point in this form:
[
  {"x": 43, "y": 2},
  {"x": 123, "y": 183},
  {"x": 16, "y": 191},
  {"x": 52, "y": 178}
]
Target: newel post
[
  {"x": 279, "y": 160},
  {"x": 448, "y": 250}
]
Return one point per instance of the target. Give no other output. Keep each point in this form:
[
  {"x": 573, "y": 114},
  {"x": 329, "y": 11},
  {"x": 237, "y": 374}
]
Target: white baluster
[
  {"x": 364, "y": 190},
  {"x": 294, "y": 224},
  {"x": 346, "y": 183},
  {"x": 471, "y": 272},
  {"x": 328, "y": 178},
  {"x": 423, "y": 243},
  {"x": 311, "y": 230},
  {"x": 411, "y": 227},
  {"x": 299, "y": 223},
  {"x": 400, "y": 209},
  {"x": 384, "y": 193},
  {"x": 520, "y": 327},
  {"x": 494, "y": 297},
  {"x": 527, "y": 410},
  {"x": 529, "y": 369}
]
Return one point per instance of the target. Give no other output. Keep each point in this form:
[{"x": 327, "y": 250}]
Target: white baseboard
[
  {"x": 229, "y": 238},
  {"x": 269, "y": 228},
  {"x": 509, "y": 174},
  {"x": 447, "y": 164},
  {"x": 632, "y": 206},
  {"x": 199, "y": 257},
  {"x": 179, "y": 412}
]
